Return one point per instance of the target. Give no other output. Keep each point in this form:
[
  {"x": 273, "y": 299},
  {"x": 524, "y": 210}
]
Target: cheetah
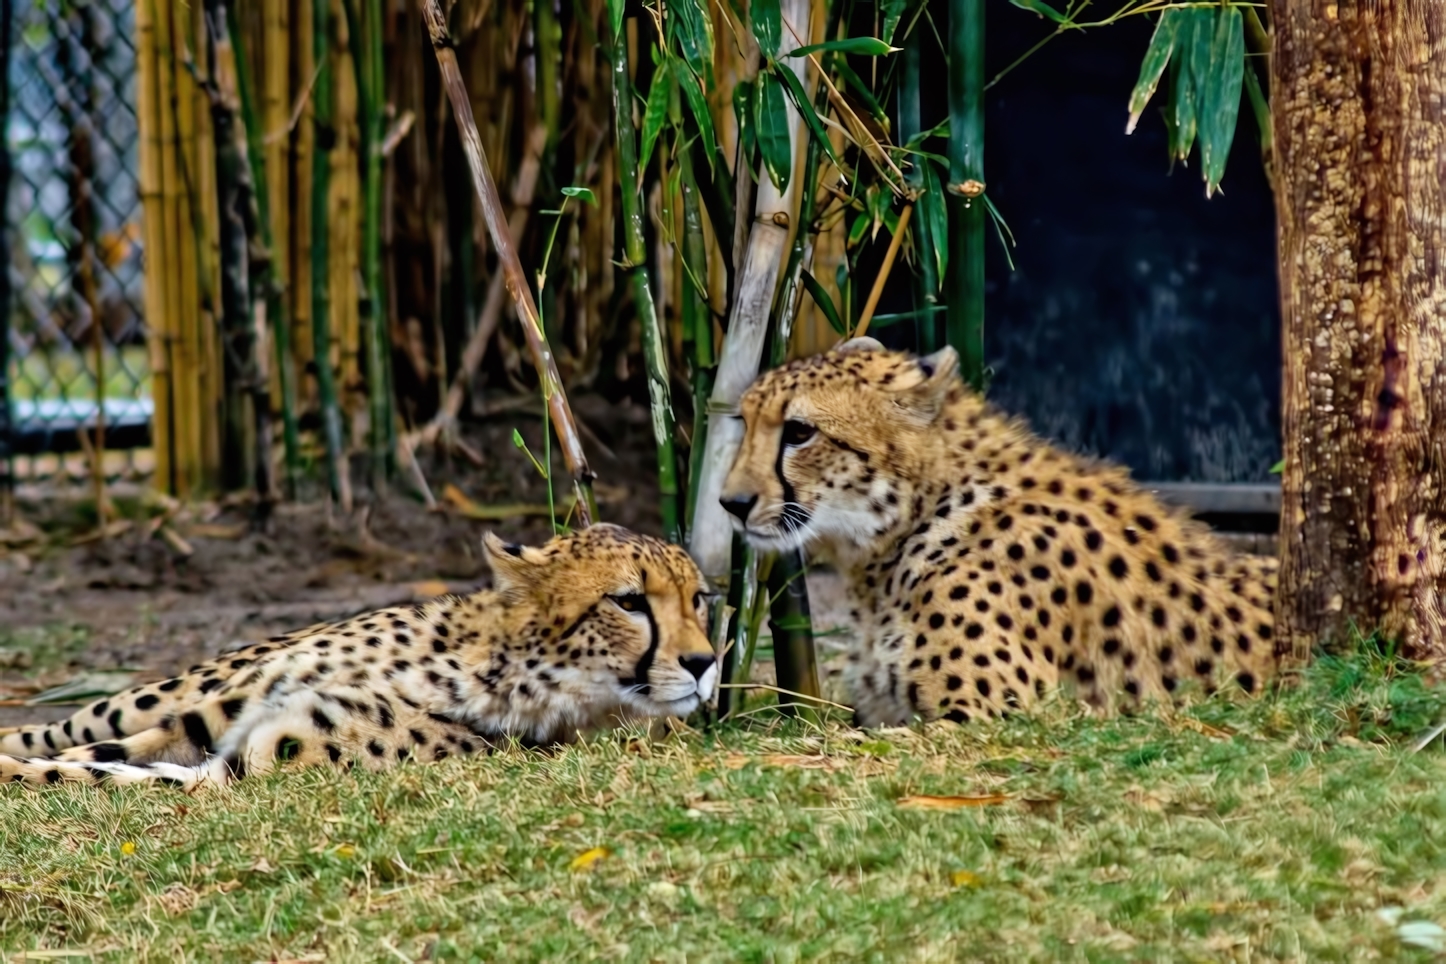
[
  {"x": 600, "y": 626},
  {"x": 985, "y": 567}
]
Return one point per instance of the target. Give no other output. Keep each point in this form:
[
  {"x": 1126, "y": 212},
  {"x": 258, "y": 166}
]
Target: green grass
[
  {"x": 1274, "y": 829},
  {"x": 45, "y": 648}
]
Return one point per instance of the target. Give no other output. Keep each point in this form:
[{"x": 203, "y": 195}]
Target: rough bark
[{"x": 1357, "y": 93}]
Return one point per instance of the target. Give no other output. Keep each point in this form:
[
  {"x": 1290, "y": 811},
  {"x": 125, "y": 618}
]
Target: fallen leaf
[
  {"x": 346, "y": 851},
  {"x": 966, "y": 878},
  {"x": 497, "y": 513},
  {"x": 261, "y": 866},
  {"x": 928, "y": 802},
  {"x": 215, "y": 530},
  {"x": 429, "y": 587},
  {"x": 587, "y": 858}
]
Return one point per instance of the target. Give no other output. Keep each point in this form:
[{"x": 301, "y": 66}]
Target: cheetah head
[
  {"x": 834, "y": 445},
  {"x": 615, "y": 620}
]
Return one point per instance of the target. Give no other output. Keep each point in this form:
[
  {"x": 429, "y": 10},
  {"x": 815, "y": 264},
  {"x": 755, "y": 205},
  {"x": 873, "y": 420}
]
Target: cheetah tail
[{"x": 42, "y": 771}]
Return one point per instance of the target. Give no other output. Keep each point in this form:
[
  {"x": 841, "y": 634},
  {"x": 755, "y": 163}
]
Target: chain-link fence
[{"x": 73, "y": 226}]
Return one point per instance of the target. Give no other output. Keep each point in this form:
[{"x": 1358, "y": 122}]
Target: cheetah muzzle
[
  {"x": 585, "y": 631},
  {"x": 985, "y": 567}
]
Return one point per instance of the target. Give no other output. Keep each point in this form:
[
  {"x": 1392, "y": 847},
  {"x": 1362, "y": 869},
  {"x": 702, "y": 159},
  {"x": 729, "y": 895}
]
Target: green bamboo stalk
[
  {"x": 366, "y": 56},
  {"x": 635, "y": 255},
  {"x": 322, "y": 107},
  {"x": 742, "y": 587},
  {"x": 697, "y": 322},
  {"x": 262, "y": 261},
  {"x": 966, "y": 184},
  {"x": 928, "y": 336},
  {"x": 547, "y": 40}
]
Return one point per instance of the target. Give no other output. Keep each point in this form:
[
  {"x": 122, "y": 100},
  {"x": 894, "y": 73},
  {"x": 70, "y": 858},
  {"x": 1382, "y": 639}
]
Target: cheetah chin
[
  {"x": 985, "y": 567},
  {"x": 588, "y": 630}
]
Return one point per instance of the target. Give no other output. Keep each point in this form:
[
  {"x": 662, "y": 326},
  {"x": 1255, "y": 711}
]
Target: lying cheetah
[
  {"x": 593, "y": 627},
  {"x": 985, "y": 567}
]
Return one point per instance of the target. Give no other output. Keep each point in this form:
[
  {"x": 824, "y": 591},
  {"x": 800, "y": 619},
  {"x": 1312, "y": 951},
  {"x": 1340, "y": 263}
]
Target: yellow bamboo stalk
[
  {"x": 154, "y": 236},
  {"x": 275, "y": 71},
  {"x": 302, "y": 148},
  {"x": 345, "y": 209}
]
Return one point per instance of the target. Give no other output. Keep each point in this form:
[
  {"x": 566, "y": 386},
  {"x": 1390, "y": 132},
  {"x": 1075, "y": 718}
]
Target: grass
[
  {"x": 42, "y": 649},
  {"x": 1286, "y": 828}
]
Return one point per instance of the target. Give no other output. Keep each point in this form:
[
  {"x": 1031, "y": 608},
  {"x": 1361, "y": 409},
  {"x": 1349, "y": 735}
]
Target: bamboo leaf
[
  {"x": 615, "y": 14},
  {"x": 893, "y": 13},
  {"x": 804, "y": 107},
  {"x": 864, "y": 46},
  {"x": 1193, "y": 42},
  {"x": 934, "y": 216},
  {"x": 859, "y": 228},
  {"x": 1261, "y": 108},
  {"x": 856, "y": 83},
  {"x": 825, "y": 303},
  {"x": 1041, "y": 8},
  {"x": 698, "y": 104},
  {"x": 743, "y": 93},
  {"x": 1152, "y": 68},
  {"x": 1220, "y": 96},
  {"x": 656, "y": 113},
  {"x": 772, "y": 118},
  {"x": 767, "y": 26},
  {"x": 693, "y": 28}
]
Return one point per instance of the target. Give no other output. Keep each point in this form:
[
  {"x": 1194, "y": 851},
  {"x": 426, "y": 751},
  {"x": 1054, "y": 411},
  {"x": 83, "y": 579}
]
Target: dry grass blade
[
  {"x": 929, "y": 802},
  {"x": 883, "y": 274},
  {"x": 562, "y": 418}
]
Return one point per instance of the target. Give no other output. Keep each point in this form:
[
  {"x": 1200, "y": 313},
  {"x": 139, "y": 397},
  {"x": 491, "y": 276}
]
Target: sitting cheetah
[
  {"x": 984, "y": 566},
  {"x": 589, "y": 628}
]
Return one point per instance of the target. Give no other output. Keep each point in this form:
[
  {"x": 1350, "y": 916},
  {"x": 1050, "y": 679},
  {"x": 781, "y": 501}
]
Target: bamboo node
[
  {"x": 969, "y": 188},
  {"x": 780, "y": 218}
]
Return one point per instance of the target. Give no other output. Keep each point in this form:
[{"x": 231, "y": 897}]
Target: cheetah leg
[
  {"x": 134, "y": 711},
  {"x": 44, "y": 772}
]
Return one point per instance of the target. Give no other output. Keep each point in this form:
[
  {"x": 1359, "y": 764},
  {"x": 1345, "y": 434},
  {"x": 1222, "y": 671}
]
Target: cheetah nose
[
  {"x": 739, "y": 505},
  {"x": 697, "y": 663}
]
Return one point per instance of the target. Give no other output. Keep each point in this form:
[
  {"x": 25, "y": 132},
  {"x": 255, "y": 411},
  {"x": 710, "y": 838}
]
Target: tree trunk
[{"x": 1358, "y": 95}]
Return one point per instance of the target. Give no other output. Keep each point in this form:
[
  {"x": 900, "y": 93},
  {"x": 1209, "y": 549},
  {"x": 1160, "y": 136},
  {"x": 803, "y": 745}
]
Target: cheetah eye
[
  {"x": 631, "y": 602},
  {"x": 796, "y": 432}
]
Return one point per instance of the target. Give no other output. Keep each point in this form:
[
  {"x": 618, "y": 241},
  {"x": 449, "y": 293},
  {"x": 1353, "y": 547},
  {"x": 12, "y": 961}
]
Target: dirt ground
[{"x": 178, "y": 584}]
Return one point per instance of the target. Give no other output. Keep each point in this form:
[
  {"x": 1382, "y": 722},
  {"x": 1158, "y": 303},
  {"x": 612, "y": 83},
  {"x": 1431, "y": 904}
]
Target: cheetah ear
[
  {"x": 864, "y": 343},
  {"x": 514, "y": 567},
  {"x": 940, "y": 373}
]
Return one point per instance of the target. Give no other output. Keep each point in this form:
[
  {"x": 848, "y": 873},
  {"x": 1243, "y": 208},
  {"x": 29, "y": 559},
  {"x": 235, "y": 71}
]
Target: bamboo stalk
[
  {"x": 561, "y": 413},
  {"x": 635, "y": 257},
  {"x": 267, "y": 290},
  {"x": 927, "y": 333},
  {"x": 337, "y": 473},
  {"x": 155, "y": 238},
  {"x": 882, "y": 277},
  {"x": 711, "y": 530},
  {"x": 697, "y": 324},
  {"x": 966, "y": 182}
]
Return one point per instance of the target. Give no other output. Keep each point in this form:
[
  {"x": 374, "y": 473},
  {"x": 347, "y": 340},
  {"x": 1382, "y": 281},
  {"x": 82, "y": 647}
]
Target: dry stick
[
  {"x": 562, "y": 420},
  {"x": 883, "y": 274},
  {"x": 476, "y": 348}
]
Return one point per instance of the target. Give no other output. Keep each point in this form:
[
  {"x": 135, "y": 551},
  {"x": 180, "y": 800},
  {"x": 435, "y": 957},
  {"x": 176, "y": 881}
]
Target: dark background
[{"x": 1141, "y": 321}]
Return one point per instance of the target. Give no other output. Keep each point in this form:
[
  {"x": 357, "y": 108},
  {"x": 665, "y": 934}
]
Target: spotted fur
[
  {"x": 584, "y": 631},
  {"x": 985, "y": 566}
]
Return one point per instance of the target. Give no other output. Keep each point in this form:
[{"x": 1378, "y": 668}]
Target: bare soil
[{"x": 147, "y": 603}]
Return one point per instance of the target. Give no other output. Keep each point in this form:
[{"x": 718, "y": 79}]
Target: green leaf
[
  {"x": 772, "y": 118},
  {"x": 1152, "y": 68},
  {"x": 824, "y": 302},
  {"x": 581, "y": 193},
  {"x": 1220, "y": 96},
  {"x": 864, "y": 46},
  {"x": 693, "y": 28},
  {"x": 656, "y": 114},
  {"x": 893, "y": 13},
  {"x": 743, "y": 93},
  {"x": 698, "y": 105},
  {"x": 859, "y": 228},
  {"x": 615, "y": 14},
  {"x": 1278, "y": 468},
  {"x": 767, "y": 26},
  {"x": 934, "y": 212},
  {"x": 1041, "y": 8},
  {"x": 1261, "y": 108},
  {"x": 1192, "y": 45},
  {"x": 805, "y": 109},
  {"x": 517, "y": 440}
]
